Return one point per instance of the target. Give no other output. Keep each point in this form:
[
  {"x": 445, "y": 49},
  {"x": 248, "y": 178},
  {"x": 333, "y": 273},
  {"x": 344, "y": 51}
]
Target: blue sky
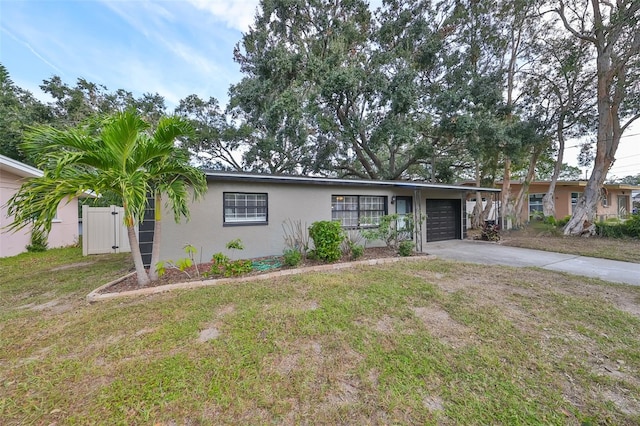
[{"x": 172, "y": 47}]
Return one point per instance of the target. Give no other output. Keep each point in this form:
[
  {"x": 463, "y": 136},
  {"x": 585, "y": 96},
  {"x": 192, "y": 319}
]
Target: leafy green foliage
[
  {"x": 181, "y": 264},
  {"x": 357, "y": 251},
  {"x": 114, "y": 156},
  {"x": 235, "y": 245},
  {"x": 18, "y": 110},
  {"x": 392, "y": 229},
  {"x": 632, "y": 225},
  {"x": 630, "y": 228},
  {"x": 292, "y": 257},
  {"x": 38, "y": 241},
  {"x": 223, "y": 265},
  {"x": 405, "y": 248},
  {"x": 327, "y": 237}
]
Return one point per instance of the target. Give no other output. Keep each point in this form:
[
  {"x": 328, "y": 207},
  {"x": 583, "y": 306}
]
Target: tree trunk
[
  {"x": 524, "y": 189},
  {"x": 549, "y": 199},
  {"x": 476, "y": 217},
  {"x": 157, "y": 230},
  {"x": 611, "y": 76},
  {"x": 507, "y": 205},
  {"x": 143, "y": 278}
]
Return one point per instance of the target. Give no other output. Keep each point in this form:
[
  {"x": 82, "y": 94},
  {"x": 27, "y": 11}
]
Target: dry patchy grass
[
  {"x": 431, "y": 342},
  {"x": 549, "y": 238}
]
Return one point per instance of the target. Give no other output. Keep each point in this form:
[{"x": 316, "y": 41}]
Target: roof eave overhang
[{"x": 249, "y": 177}]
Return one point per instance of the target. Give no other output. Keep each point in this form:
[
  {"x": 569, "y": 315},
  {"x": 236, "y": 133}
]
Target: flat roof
[{"x": 256, "y": 177}]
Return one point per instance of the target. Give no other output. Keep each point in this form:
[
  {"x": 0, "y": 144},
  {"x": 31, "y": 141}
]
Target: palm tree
[
  {"x": 172, "y": 176},
  {"x": 113, "y": 156}
]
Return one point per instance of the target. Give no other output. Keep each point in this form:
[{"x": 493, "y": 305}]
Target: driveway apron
[{"x": 495, "y": 254}]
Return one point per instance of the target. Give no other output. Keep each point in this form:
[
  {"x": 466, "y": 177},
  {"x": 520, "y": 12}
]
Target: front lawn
[
  {"x": 430, "y": 342},
  {"x": 541, "y": 236}
]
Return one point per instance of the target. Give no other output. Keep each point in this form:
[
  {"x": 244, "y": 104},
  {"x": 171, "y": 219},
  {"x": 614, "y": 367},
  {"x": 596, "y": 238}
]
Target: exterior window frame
[
  {"x": 576, "y": 198},
  {"x": 256, "y": 220},
  {"x": 536, "y": 204},
  {"x": 360, "y": 212}
]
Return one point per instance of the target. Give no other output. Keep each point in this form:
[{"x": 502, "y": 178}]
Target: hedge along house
[{"x": 254, "y": 207}]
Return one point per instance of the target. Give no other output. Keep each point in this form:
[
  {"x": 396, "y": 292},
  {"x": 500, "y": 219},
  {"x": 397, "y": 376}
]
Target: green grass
[
  {"x": 430, "y": 342},
  {"x": 542, "y": 236}
]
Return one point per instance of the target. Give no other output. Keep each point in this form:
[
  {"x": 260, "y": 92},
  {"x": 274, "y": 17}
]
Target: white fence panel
[{"x": 103, "y": 230}]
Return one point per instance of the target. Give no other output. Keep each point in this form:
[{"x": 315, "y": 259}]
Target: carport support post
[{"x": 417, "y": 218}]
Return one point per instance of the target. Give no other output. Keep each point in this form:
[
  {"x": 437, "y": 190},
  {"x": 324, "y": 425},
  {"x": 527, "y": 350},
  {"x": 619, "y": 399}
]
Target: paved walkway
[{"x": 496, "y": 254}]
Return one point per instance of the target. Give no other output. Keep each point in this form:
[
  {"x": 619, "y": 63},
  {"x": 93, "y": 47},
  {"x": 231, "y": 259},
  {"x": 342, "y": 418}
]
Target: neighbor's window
[
  {"x": 245, "y": 208},
  {"x": 535, "y": 203},
  {"x": 358, "y": 211},
  {"x": 574, "y": 200}
]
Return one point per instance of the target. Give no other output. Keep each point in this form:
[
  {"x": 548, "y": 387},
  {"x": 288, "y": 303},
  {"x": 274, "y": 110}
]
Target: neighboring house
[
  {"x": 615, "y": 199},
  {"x": 64, "y": 230},
  {"x": 253, "y": 208}
]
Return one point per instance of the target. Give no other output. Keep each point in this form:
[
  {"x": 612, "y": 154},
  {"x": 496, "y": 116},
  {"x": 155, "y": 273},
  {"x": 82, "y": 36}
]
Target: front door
[
  {"x": 404, "y": 208},
  {"x": 623, "y": 202}
]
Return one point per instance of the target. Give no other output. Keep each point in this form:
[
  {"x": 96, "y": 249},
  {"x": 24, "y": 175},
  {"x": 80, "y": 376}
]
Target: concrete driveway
[{"x": 496, "y": 254}]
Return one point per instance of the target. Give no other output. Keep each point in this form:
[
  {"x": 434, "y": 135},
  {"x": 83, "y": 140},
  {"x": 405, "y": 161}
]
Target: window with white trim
[
  {"x": 242, "y": 208},
  {"x": 358, "y": 211},
  {"x": 535, "y": 203}
]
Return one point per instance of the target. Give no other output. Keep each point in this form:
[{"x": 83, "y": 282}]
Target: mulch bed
[{"x": 174, "y": 276}]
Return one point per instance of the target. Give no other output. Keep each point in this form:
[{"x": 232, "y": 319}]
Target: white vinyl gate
[{"x": 103, "y": 230}]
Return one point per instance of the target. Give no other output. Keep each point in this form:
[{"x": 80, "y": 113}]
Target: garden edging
[{"x": 96, "y": 296}]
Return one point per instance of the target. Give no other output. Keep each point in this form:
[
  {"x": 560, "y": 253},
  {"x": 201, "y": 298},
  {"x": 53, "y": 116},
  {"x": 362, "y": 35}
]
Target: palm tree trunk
[
  {"x": 143, "y": 278},
  {"x": 157, "y": 229}
]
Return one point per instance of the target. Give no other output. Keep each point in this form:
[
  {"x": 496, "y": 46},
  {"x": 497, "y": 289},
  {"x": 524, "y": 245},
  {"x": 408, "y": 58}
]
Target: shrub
[
  {"x": 387, "y": 230},
  {"x": 292, "y": 257},
  {"x": 610, "y": 230},
  {"x": 222, "y": 265},
  {"x": 352, "y": 238},
  {"x": 327, "y": 237},
  {"x": 405, "y": 248},
  {"x": 490, "y": 231},
  {"x": 181, "y": 264},
  {"x": 357, "y": 251},
  {"x": 296, "y": 236},
  {"x": 632, "y": 226},
  {"x": 38, "y": 242},
  {"x": 550, "y": 220},
  {"x": 562, "y": 222}
]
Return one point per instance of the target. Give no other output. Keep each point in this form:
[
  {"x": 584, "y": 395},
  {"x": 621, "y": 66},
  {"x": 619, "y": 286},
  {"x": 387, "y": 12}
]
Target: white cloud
[{"x": 236, "y": 14}]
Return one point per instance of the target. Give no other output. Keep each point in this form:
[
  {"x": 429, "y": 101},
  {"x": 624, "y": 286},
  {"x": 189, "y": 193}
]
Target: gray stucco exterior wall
[{"x": 207, "y": 232}]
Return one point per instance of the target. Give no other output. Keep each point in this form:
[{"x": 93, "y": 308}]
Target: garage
[{"x": 443, "y": 219}]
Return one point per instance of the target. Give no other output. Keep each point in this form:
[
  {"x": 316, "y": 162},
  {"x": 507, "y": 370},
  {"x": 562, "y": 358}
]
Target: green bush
[
  {"x": 405, "y": 248},
  {"x": 387, "y": 230},
  {"x": 562, "y": 222},
  {"x": 632, "y": 226},
  {"x": 327, "y": 237},
  {"x": 222, "y": 265},
  {"x": 292, "y": 257},
  {"x": 357, "y": 251},
  {"x": 550, "y": 220},
  {"x": 610, "y": 230},
  {"x": 38, "y": 241}
]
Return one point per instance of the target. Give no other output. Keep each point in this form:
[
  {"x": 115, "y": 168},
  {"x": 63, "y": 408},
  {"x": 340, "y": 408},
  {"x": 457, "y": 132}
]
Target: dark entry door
[{"x": 443, "y": 220}]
